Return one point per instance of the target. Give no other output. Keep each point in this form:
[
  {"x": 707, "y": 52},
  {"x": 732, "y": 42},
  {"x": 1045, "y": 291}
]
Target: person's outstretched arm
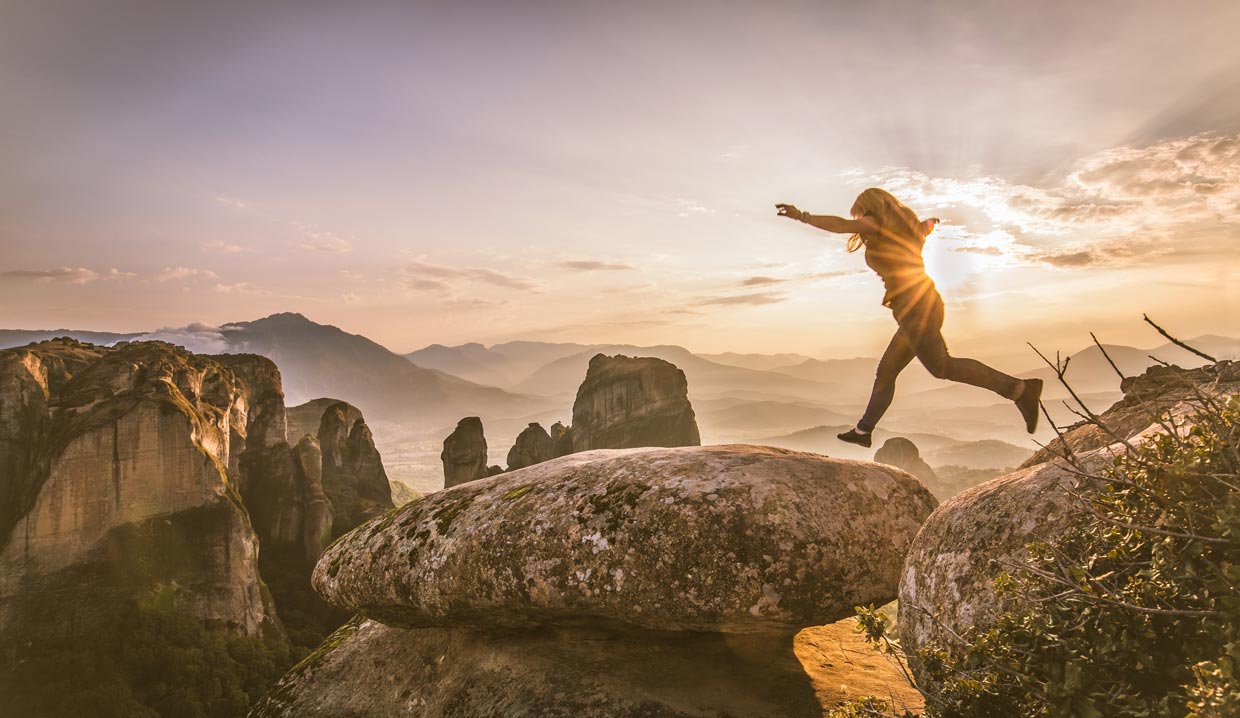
[{"x": 827, "y": 222}]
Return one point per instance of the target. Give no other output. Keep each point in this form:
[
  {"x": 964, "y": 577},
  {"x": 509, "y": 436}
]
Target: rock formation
[
  {"x": 561, "y": 440},
  {"x": 353, "y": 474},
  {"x": 118, "y": 459},
  {"x": 659, "y": 582},
  {"x": 947, "y": 583},
  {"x": 628, "y": 402},
  {"x": 145, "y": 470},
  {"x": 902, "y": 453},
  {"x": 533, "y": 446},
  {"x": 464, "y": 454}
]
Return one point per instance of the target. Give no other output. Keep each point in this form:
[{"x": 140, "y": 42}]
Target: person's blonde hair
[{"x": 895, "y": 221}]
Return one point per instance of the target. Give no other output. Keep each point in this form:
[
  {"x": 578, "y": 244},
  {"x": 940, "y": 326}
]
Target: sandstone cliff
[
  {"x": 116, "y": 483},
  {"x": 629, "y": 402}
]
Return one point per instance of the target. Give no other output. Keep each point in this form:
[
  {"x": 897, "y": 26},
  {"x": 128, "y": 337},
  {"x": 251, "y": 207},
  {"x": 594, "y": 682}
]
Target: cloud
[
  {"x": 198, "y": 338},
  {"x": 216, "y": 245},
  {"x": 590, "y": 265},
  {"x": 69, "y": 275},
  {"x": 237, "y": 288},
  {"x": 688, "y": 207},
  {"x": 761, "y": 281},
  {"x": 326, "y": 242},
  {"x": 756, "y": 299},
  {"x": 231, "y": 202},
  {"x": 1110, "y": 197},
  {"x": 349, "y": 298},
  {"x": 171, "y": 273},
  {"x": 423, "y": 275}
]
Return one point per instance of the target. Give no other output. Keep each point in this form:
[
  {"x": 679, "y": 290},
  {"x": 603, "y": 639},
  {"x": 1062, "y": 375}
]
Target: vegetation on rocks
[{"x": 1134, "y": 613}]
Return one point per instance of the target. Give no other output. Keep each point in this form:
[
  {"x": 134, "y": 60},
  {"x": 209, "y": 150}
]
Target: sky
[{"x": 448, "y": 172}]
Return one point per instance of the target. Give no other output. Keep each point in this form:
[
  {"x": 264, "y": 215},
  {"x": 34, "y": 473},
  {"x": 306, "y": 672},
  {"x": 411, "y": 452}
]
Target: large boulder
[
  {"x": 533, "y": 446},
  {"x": 628, "y": 402},
  {"x": 719, "y": 538},
  {"x": 948, "y": 577},
  {"x": 643, "y": 582},
  {"x": 464, "y": 453}
]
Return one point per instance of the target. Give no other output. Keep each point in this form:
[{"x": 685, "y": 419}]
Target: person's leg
[
  {"x": 923, "y": 327},
  {"x": 897, "y": 356}
]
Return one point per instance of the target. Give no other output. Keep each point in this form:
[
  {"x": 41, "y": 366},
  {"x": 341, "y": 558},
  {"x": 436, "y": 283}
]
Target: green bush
[
  {"x": 143, "y": 663},
  {"x": 1135, "y": 614}
]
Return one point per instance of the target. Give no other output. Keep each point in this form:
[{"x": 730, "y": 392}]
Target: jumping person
[{"x": 893, "y": 237}]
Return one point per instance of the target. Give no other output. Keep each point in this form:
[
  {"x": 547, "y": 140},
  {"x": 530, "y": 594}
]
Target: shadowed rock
[
  {"x": 562, "y": 440},
  {"x": 628, "y": 402},
  {"x": 902, "y": 453},
  {"x": 533, "y": 446},
  {"x": 464, "y": 454}
]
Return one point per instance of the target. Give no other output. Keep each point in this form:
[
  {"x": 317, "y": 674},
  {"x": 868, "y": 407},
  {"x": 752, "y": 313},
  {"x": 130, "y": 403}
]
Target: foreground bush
[
  {"x": 1135, "y": 614},
  {"x": 145, "y": 663}
]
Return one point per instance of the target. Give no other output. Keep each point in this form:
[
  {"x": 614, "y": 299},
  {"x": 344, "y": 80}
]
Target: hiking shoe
[
  {"x": 1028, "y": 403},
  {"x": 852, "y": 436}
]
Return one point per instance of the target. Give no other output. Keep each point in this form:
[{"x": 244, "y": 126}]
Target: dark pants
[{"x": 920, "y": 335}]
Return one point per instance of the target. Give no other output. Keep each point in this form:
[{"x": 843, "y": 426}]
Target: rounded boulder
[{"x": 714, "y": 538}]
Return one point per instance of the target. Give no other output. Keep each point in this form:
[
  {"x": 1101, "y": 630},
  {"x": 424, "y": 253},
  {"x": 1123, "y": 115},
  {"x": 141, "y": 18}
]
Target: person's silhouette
[{"x": 893, "y": 237}]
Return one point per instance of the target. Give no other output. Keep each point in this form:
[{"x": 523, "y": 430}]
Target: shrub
[{"x": 1136, "y": 613}]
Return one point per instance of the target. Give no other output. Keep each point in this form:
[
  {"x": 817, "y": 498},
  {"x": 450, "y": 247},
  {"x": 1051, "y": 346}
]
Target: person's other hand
[{"x": 790, "y": 211}]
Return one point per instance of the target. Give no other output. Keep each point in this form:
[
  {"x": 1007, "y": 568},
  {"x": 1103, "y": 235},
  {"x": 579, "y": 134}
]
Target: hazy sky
[{"x": 597, "y": 172}]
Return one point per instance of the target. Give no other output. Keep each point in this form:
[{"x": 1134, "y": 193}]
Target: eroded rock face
[
  {"x": 533, "y": 446},
  {"x": 902, "y": 453},
  {"x": 722, "y": 538},
  {"x": 464, "y": 454},
  {"x": 128, "y": 446},
  {"x": 561, "y": 440},
  {"x": 978, "y": 534},
  {"x": 628, "y": 402}
]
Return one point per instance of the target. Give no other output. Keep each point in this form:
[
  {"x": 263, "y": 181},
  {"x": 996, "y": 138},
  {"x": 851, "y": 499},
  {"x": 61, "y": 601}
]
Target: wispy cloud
[
  {"x": 198, "y": 338},
  {"x": 216, "y": 245},
  {"x": 318, "y": 241},
  {"x": 422, "y": 275},
  {"x": 176, "y": 273},
  {"x": 69, "y": 275},
  {"x": 591, "y": 265},
  {"x": 762, "y": 281},
  {"x": 756, "y": 299},
  {"x": 238, "y": 288}
]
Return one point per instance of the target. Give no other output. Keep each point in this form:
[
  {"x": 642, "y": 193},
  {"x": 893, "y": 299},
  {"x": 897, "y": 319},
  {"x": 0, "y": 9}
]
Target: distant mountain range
[{"x": 412, "y": 401}]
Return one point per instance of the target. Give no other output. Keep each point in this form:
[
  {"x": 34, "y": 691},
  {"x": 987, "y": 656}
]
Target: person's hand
[{"x": 790, "y": 211}]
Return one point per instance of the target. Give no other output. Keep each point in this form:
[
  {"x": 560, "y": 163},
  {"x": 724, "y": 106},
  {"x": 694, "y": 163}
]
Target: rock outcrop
[
  {"x": 353, "y": 474},
  {"x": 659, "y": 582},
  {"x": 561, "y": 440},
  {"x": 628, "y": 402},
  {"x": 119, "y": 458},
  {"x": 902, "y": 453},
  {"x": 947, "y": 583},
  {"x": 533, "y": 446},
  {"x": 464, "y": 454}
]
